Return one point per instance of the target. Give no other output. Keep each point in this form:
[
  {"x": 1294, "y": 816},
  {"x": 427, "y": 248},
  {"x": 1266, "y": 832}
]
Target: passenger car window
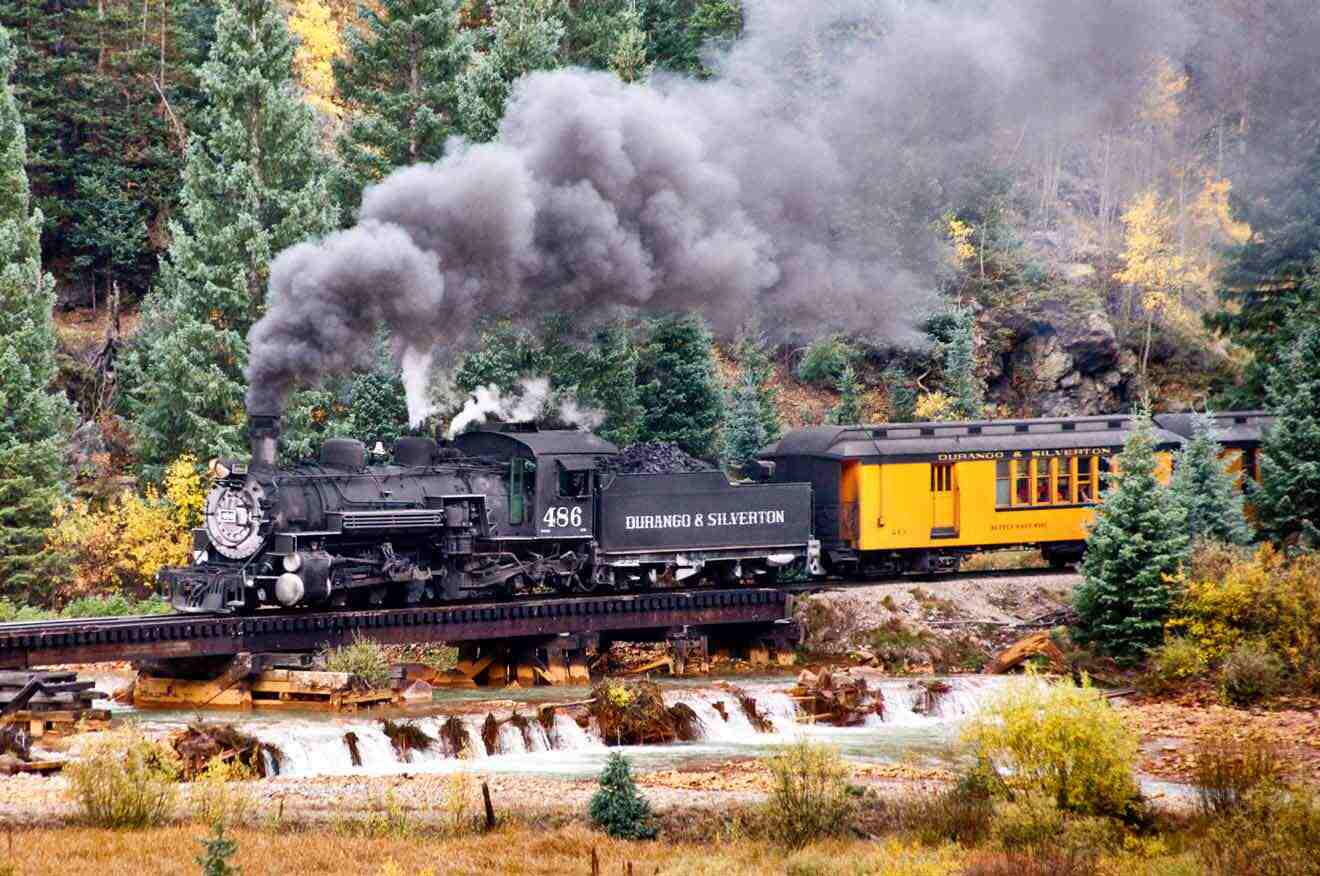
[{"x": 1003, "y": 483}]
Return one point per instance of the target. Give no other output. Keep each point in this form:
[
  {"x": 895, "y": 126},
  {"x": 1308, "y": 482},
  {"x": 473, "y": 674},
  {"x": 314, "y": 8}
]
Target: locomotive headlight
[
  {"x": 292, "y": 562},
  {"x": 289, "y": 589}
]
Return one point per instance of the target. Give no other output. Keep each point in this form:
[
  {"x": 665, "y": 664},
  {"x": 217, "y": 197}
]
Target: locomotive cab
[{"x": 552, "y": 479}]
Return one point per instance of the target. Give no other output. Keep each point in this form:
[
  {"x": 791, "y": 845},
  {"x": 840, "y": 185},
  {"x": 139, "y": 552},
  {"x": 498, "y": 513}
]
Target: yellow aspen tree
[
  {"x": 318, "y": 42},
  {"x": 1153, "y": 267}
]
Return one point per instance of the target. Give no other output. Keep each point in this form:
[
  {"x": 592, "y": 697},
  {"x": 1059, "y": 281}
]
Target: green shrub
[
  {"x": 114, "y": 605},
  {"x": 1274, "y": 832},
  {"x": 1029, "y": 822},
  {"x": 364, "y": 659},
  {"x": 824, "y": 361},
  {"x": 616, "y": 807},
  {"x": 1057, "y": 739},
  {"x": 1225, "y": 768},
  {"x": 809, "y": 798},
  {"x": 1173, "y": 664},
  {"x": 1251, "y": 673},
  {"x": 124, "y": 780}
]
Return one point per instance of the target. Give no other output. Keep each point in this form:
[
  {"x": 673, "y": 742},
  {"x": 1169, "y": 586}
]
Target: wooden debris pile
[
  {"x": 50, "y": 702},
  {"x": 634, "y": 713},
  {"x": 201, "y": 744},
  {"x": 841, "y": 699}
]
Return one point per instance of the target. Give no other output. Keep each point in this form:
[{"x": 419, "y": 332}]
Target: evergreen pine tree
[
  {"x": 756, "y": 365},
  {"x": 679, "y": 390},
  {"x": 617, "y": 808},
  {"x": 1287, "y": 503},
  {"x": 610, "y": 384},
  {"x": 33, "y": 418},
  {"x": 103, "y": 161},
  {"x": 524, "y": 35},
  {"x": 1208, "y": 494},
  {"x": 851, "y": 407},
  {"x": 378, "y": 405},
  {"x": 743, "y": 434},
  {"x": 1138, "y": 538},
  {"x": 397, "y": 83},
  {"x": 901, "y": 393},
  {"x": 960, "y": 367},
  {"x": 1271, "y": 283},
  {"x": 254, "y": 184}
]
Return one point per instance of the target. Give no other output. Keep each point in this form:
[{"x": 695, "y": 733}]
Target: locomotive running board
[{"x": 92, "y": 640}]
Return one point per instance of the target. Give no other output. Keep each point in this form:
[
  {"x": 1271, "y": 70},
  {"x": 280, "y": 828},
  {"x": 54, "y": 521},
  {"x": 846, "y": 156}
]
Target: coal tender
[
  {"x": 659, "y": 529},
  {"x": 496, "y": 514}
]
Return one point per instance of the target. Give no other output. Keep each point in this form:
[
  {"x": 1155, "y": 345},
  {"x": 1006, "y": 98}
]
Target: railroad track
[
  {"x": 175, "y": 636},
  {"x": 933, "y": 579}
]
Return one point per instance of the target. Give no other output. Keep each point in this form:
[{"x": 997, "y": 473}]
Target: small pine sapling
[
  {"x": 218, "y": 849},
  {"x": 617, "y": 808}
]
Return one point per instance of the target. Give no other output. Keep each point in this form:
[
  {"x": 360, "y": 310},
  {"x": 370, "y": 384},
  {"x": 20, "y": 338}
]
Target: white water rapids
[{"x": 318, "y": 745}]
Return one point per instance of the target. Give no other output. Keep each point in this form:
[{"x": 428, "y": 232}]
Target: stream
[{"x": 313, "y": 743}]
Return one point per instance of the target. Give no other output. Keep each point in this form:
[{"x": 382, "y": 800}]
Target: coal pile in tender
[{"x": 654, "y": 457}]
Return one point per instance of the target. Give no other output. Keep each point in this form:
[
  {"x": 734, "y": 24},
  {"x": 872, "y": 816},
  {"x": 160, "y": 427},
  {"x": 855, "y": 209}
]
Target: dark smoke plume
[{"x": 799, "y": 185}]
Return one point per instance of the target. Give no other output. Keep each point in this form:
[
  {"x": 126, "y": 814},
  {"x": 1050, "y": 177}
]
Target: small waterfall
[
  {"x": 474, "y": 747},
  {"x": 731, "y": 726},
  {"x": 535, "y": 736},
  {"x": 779, "y": 709},
  {"x": 566, "y": 735},
  {"x": 510, "y": 740}
]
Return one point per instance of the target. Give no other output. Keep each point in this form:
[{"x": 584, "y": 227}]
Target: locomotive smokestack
[{"x": 264, "y": 433}]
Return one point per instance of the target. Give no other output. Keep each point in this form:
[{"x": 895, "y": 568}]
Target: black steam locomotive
[{"x": 496, "y": 514}]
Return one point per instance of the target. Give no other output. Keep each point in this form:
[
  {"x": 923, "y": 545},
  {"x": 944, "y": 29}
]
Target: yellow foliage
[
  {"x": 1151, "y": 260},
  {"x": 319, "y": 42},
  {"x": 935, "y": 406},
  {"x": 1163, "y": 96},
  {"x": 960, "y": 235},
  {"x": 1211, "y": 210},
  {"x": 1057, "y": 739},
  {"x": 1266, "y": 596},
  {"x": 121, "y": 546}
]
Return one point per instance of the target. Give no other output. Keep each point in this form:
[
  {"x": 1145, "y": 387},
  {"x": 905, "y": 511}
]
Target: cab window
[
  {"x": 574, "y": 484},
  {"x": 522, "y": 484}
]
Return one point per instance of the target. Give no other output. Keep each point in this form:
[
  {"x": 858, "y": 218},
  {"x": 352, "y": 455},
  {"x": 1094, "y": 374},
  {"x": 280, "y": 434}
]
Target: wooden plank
[
  {"x": 18, "y": 679},
  {"x": 164, "y": 692}
]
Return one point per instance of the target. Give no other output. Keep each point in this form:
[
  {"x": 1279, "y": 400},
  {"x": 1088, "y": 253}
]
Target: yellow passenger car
[{"x": 894, "y": 498}]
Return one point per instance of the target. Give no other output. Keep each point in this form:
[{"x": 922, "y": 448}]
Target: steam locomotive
[{"x": 496, "y": 514}]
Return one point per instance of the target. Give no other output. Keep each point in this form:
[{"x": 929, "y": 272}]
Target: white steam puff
[
  {"x": 528, "y": 404},
  {"x": 798, "y": 185}
]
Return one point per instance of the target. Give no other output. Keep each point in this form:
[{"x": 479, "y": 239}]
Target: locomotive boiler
[{"x": 496, "y": 514}]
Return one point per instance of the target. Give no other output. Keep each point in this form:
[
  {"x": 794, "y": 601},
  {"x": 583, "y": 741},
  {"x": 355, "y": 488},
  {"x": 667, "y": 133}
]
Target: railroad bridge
[{"x": 744, "y": 614}]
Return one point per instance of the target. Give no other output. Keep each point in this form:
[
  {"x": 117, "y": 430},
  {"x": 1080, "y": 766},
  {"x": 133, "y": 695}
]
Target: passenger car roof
[
  {"x": 917, "y": 440},
  {"x": 1231, "y": 427}
]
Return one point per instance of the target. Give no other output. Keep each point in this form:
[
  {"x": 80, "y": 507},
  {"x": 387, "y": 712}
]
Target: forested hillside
[{"x": 746, "y": 217}]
